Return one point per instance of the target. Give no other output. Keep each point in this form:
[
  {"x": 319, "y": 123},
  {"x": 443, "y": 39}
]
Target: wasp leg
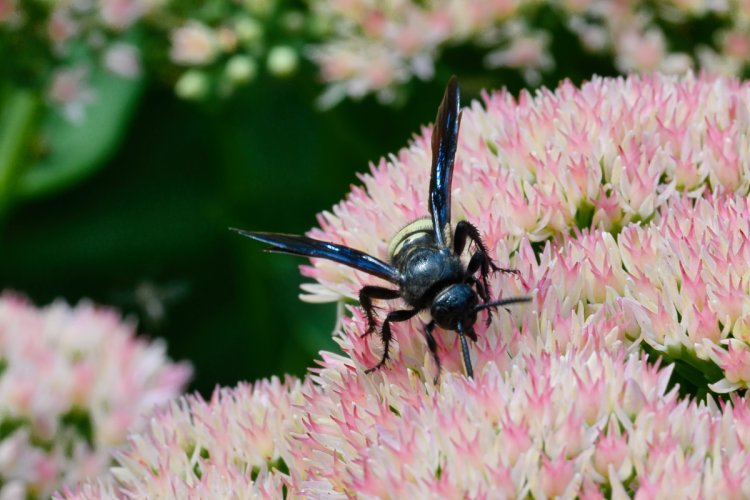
[
  {"x": 432, "y": 345},
  {"x": 385, "y": 333},
  {"x": 479, "y": 261},
  {"x": 476, "y": 262},
  {"x": 366, "y": 294},
  {"x": 464, "y": 230},
  {"x": 471, "y": 280}
]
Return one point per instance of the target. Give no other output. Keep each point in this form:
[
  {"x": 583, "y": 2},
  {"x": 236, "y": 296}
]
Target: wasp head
[{"x": 456, "y": 303}]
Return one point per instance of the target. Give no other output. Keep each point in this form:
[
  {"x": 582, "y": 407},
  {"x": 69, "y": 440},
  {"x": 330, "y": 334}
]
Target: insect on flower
[{"x": 425, "y": 256}]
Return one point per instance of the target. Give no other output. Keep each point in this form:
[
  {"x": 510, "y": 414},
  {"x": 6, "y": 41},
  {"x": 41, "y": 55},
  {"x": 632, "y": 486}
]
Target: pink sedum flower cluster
[
  {"x": 72, "y": 382},
  {"x": 547, "y": 424},
  {"x": 373, "y": 48},
  {"x": 232, "y": 445},
  {"x": 624, "y": 207},
  {"x": 362, "y": 47}
]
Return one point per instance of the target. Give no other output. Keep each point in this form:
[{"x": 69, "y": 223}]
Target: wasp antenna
[{"x": 502, "y": 302}]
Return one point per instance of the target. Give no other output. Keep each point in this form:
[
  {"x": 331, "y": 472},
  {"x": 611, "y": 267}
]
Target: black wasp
[{"x": 425, "y": 260}]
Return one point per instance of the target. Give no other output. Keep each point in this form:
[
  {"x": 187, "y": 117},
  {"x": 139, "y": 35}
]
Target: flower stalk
[{"x": 18, "y": 116}]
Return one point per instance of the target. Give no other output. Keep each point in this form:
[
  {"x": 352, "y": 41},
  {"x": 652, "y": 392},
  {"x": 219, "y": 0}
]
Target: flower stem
[{"x": 18, "y": 108}]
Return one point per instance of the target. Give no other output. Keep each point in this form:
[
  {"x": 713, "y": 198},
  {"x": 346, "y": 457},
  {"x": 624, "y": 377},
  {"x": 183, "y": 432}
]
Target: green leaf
[
  {"x": 73, "y": 151},
  {"x": 18, "y": 108}
]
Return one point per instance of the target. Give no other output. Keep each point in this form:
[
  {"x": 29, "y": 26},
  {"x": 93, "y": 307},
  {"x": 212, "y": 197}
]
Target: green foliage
[
  {"x": 79, "y": 420},
  {"x": 18, "y": 109},
  {"x": 69, "y": 152},
  {"x": 692, "y": 375}
]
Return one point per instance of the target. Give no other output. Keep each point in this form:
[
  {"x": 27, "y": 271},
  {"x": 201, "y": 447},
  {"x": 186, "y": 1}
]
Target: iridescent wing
[
  {"x": 308, "y": 247},
  {"x": 444, "y": 141}
]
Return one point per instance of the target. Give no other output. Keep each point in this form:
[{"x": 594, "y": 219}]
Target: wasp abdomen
[{"x": 420, "y": 229}]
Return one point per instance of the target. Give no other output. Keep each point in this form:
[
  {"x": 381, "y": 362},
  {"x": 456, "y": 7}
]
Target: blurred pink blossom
[
  {"x": 640, "y": 51},
  {"x": 70, "y": 90},
  {"x": 409, "y": 38},
  {"x": 123, "y": 59},
  {"x": 362, "y": 47},
  {"x": 120, "y": 14},
  {"x": 74, "y": 381},
  {"x": 7, "y": 10},
  {"x": 194, "y": 43}
]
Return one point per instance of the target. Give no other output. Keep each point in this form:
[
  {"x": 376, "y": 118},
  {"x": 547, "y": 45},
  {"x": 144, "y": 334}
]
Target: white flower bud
[{"x": 282, "y": 61}]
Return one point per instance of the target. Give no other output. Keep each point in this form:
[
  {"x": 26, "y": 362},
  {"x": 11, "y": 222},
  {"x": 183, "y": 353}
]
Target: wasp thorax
[{"x": 453, "y": 304}]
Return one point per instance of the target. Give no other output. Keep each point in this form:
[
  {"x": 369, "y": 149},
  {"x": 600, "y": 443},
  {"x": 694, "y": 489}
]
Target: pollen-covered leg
[
  {"x": 432, "y": 345},
  {"x": 386, "y": 336},
  {"x": 366, "y": 294}
]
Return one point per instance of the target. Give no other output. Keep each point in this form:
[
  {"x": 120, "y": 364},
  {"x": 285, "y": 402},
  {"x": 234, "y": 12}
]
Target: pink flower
[
  {"x": 124, "y": 60},
  {"x": 193, "y": 448},
  {"x": 556, "y": 476},
  {"x": 412, "y": 37},
  {"x": 680, "y": 266},
  {"x": 61, "y": 27},
  {"x": 735, "y": 362},
  {"x": 372, "y": 50},
  {"x": 736, "y": 43},
  {"x": 638, "y": 51},
  {"x": 71, "y": 92},
  {"x": 119, "y": 14},
  {"x": 7, "y": 10},
  {"x": 341, "y": 433},
  {"x": 525, "y": 51},
  {"x": 617, "y": 257},
  {"x": 74, "y": 382},
  {"x": 194, "y": 44},
  {"x": 611, "y": 455}
]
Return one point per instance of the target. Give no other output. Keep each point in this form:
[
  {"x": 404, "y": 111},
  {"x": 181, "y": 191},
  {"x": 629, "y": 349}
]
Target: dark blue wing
[
  {"x": 308, "y": 247},
  {"x": 444, "y": 141}
]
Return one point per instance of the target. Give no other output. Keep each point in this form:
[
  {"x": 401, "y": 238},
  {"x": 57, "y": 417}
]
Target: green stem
[{"x": 17, "y": 116}]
